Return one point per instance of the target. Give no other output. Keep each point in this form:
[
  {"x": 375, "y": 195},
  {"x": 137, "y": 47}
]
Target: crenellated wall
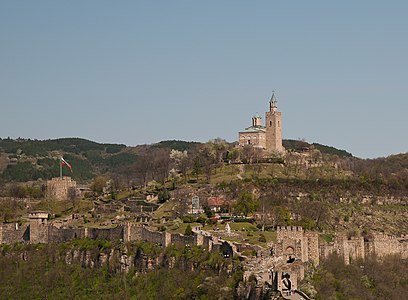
[
  {"x": 359, "y": 247},
  {"x": 294, "y": 242},
  {"x": 381, "y": 245},
  {"x": 45, "y": 233}
]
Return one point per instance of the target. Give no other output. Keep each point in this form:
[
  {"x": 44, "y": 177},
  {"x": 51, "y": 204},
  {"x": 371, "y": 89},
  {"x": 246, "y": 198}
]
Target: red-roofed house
[{"x": 216, "y": 204}]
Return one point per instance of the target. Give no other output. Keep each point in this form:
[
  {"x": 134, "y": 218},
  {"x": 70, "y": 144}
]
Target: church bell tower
[{"x": 273, "y": 127}]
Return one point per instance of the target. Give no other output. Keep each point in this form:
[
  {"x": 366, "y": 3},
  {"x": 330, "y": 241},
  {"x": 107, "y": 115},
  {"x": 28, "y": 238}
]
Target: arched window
[{"x": 270, "y": 123}]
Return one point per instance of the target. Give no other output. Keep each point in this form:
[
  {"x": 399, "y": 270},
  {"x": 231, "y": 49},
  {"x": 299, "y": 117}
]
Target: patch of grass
[
  {"x": 182, "y": 228},
  {"x": 164, "y": 209},
  {"x": 327, "y": 237},
  {"x": 225, "y": 173},
  {"x": 53, "y": 206},
  {"x": 122, "y": 195}
]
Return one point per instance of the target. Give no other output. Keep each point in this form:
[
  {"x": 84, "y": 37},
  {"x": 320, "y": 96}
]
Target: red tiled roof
[{"x": 215, "y": 201}]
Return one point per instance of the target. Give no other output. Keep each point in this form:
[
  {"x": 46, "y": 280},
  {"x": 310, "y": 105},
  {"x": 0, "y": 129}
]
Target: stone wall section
[
  {"x": 13, "y": 233},
  {"x": 61, "y": 235},
  {"x": 292, "y": 241},
  {"x": 58, "y": 188},
  {"x": 354, "y": 248},
  {"x": 387, "y": 245},
  {"x": 312, "y": 247},
  {"x": 179, "y": 239}
]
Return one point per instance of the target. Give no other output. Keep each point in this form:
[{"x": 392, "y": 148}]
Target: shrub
[
  {"x": 189, "y": 230},
  {"x": 188, "y": 219}
]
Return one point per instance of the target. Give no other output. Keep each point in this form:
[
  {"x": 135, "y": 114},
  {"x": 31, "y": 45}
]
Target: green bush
[
  {"x": 188, "y": 219},
  {"x": 189, "y": 230}
]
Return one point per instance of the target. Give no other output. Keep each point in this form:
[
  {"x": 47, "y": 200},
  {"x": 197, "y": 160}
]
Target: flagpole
[{"x": 60, "y": 169}]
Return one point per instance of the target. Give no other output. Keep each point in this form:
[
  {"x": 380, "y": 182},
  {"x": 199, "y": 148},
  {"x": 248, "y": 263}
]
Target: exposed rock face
[{"x": 116, "y": 260}]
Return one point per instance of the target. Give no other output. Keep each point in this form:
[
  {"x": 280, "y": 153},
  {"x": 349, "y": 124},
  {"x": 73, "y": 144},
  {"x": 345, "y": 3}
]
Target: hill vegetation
[
  {"x": 27, "y": 160},
  {"x": 299, "y": 145},
  {"x": 45, "y": 274},
  {"x": 318, "y": 187}
]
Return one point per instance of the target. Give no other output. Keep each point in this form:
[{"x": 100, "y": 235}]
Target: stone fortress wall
[
  {"x": 281, "y": 266},
  {"x": 293, "y": 242},
  {"x": 39, "y": 231},
  {"x": 360, "y": 247}
]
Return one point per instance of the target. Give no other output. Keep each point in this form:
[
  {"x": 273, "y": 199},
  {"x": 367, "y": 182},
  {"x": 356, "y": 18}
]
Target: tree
[
  {"x": 163, "y": 195},
  {"x": 281, "y": 215},
  {"x": 189, "y": 230},
  {"x": 246, "y": 204},
  {"x": 98, "y": 184},
  {"x": 160, "y": 165},
  {"x": 233, "y": 154},
  {"x": 248, "y": 154}
]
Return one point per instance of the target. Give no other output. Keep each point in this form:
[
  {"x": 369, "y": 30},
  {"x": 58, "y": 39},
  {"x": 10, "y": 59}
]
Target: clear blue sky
[{"x": 137, "y": 72}]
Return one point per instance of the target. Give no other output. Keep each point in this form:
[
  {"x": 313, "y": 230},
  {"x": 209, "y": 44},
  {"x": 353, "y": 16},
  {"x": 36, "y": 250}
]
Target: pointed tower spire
[{"x": 273, "y": 104}]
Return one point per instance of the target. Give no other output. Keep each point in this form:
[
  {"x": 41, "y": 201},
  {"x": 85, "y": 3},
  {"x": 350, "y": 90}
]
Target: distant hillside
[
  {"x": 33, "y": 159},
  {"x": 177, "y": 145},
  {"x": 26, "y": 159},
  {"x": 299, "y": 145},
  {"x": 41, "y": 148}
]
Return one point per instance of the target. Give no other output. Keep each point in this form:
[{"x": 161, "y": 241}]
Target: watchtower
[
  {"x": 273, "y": 127},
  {"x": 38, "y": 227}
]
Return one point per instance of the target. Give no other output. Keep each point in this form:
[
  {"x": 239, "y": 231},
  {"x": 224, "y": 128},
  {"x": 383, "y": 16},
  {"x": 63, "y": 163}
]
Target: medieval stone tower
[{"x": 273, "y": 127}]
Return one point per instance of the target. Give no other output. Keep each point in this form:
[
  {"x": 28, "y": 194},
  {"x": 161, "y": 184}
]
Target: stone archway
[{"x": 290, "y": 254}]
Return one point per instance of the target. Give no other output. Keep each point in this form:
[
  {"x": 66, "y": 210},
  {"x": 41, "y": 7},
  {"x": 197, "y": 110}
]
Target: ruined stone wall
[
  {"x": 132, "y": 232},
  {"x": 312, "y": 247},
  {"x": 337, "y": 246},
  {"x": 61, "y": 235},
  {"x": 383, "y": 245},
  {"x": 206, "y": 242},
  {"x": 110, "y": 234},
  {"x": 13, "y": 233},
  {"x": 348, "y": 248},
  {"x": 293, "y": 273},
  {"x": 38, "y": 232},
  {"x": 183, "y": 239},
  {"x": 353, "y": 249},
  {"x": 154, "y": 237}
]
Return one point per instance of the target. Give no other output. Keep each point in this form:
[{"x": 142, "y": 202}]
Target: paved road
[{"x": 294, "y": 296}]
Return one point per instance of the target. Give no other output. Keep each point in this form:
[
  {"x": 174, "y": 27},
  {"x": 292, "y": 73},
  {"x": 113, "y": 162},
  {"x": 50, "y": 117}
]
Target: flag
[{"x": 64, "y": 162}]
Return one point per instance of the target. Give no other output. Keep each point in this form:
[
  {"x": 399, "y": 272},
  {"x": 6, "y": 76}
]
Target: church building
[{"x": 268, "y": 137}]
